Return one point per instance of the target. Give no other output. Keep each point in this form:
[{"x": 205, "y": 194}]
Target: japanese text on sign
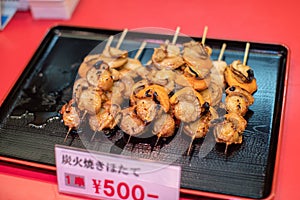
[{"x": 114, "y": 177}]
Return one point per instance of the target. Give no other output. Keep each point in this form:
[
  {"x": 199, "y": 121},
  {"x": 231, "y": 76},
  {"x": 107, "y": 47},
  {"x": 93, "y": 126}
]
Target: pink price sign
[{"x": 110, "y": 176}]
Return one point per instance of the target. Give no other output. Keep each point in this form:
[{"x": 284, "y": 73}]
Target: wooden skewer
[
  {"x": 204, "y": 35},
  {"x": 122, "y": 38},
  {"x": 226, "y": 148},
  {"x": 109, "y": 41},
  {"x": 93, "y": 135},
  {"x": 69, "y": 130},
  {"x": 158, "y": 137},
  {"x": 176, "y": 35},
  {"x": 128, "y": 140},
  {"x": 83, "y": 116},
  {"x": 246, "y": 53},
  {"x": 222, "y": 52},
  {"x": 137, "y": 55},
  {"x": 191, "y": 143}
]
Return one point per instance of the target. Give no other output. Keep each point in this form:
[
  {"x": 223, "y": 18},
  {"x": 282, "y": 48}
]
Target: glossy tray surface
[{"x": 30, "y": 125}]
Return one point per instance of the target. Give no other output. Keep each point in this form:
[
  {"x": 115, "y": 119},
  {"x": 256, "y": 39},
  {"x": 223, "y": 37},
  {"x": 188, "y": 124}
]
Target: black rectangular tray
[{"x": 247, "y": 170}]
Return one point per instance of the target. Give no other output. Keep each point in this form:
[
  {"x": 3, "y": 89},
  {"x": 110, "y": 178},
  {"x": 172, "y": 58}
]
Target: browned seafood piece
[
  {"x": 217, "y": 73},
  {"x": 188, "y": 104},
  {"x": 128, "y": 83},
  {"x": 213, "y": 94},
  {"x": 114, "y": 57},
  {"x": 164, "y": 126},
  {"x": 198, "y": 128},
  {"x": 197, "y": 56},
  {"x": 198, "y": 84},
  {"x": 238, "y": 91},
  {"x": 167, "y": 56},
  {"x": 130, "y": 123},
  {"x": 146, "y": 109},
  {"x": 237, "y": 120},
  {"x": 157, "y": 93},
  {"x": 100, "y": 77},
  {"x": 231, "y": 130},
  {"x": 226, "y": 133},
  {"x": 116, "y": 94},
  {"x": 136, "y": 88},
  {"x": 201, "y": 73},
  {"x": 79, "y": 85},
  {"x": 70, "y": 116},
  {"x": 129, "y": 69},
  {"x": 87, "y": 64},
  {"x": 90, "y": 101},
  {"x": 164, "y": 77},
  {"x": 218, "y": 69},
  {"x": 238, "y": 74},
  {"x": 116, "y": 75},
  {"x": 237, "y": 104},
  {"x": 114, "y": 53},
  {"x": 108, "y": 117},
  {"x": 238, "y": 100}
]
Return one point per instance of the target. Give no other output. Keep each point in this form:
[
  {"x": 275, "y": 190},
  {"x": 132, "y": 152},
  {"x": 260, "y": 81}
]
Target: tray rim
[{"x": 50, "y": 168}]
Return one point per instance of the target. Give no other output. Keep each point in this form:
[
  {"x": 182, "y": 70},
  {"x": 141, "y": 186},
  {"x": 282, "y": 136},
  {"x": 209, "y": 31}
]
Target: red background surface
[{"x": 255, "y": 20}]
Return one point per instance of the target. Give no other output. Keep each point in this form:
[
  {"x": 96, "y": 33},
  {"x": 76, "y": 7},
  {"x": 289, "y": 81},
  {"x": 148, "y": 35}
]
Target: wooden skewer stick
[
  {"x": 109, "y": 41},
  {"x": 158, "y": 137},
  {"x": 93, "y": 135},
  {"x": 246, "y": 53},
  {"x": 83, "y": 116},
  {"x": 122, "y": 38},
  {"x": 191, "y": 144},
  {"x": 226, "y": 148},
  {"x": 204, "y": 35},
  {"x": 69, "y": 130},
  {"x": 128, "y": 140},
  {"x": 137, "y": 55},
  {"x": 222, "y": 52},
  {"x": 176, "y": 35}
]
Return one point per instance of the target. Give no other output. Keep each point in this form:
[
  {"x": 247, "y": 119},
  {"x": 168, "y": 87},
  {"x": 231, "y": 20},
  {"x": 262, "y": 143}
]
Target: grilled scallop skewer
[
  {"x": 242, "y": 84},
  {"x": 198, "y": 63},
  {"x": 113, "y": 56},
  {"x": 167, "y": 56},
  {"x": 111, "y": 111},
  {"x": 70, "y": 117},
  {"x": 88, "y": 89}
]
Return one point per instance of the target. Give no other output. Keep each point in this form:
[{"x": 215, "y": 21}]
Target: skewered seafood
[
  {"x": 101, "y": 79},
  {"x": 79, "y": 85},
  {"x": 146, "y": 109},
  {"x": 175, "y": 87},
  {"x": 238, "y": 74},
  {"x": 197, "y": 57},
  {"x": 167, "y": 57},
  {"x": 188, "y": 104},
  {"x": 164, "y": 126},
  {"x": 157, "y": 93},
  {"x": 198, "y": 128},
  {"x": 242, "y": 85},
  {"x": 107, "y": 118},
  {"x": 131, "y": 123},
  {"x": 70, "y": 116},
  {"x": 90, "y": 101},
  {"x": 230, "y": 131},
  {"x": 213, "y": 94}
]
